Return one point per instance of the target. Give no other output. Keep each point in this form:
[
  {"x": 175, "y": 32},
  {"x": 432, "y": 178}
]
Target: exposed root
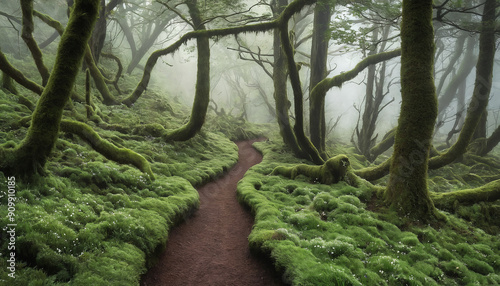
[{"x": 107, "y": 149}]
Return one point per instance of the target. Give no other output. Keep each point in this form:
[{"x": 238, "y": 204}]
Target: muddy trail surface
[{"x": 211, "y": 247}]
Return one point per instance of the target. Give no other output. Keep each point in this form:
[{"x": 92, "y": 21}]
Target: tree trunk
[
  {"x": 99, "y": 80},
  {"x": 407, "y": 191},
  {"x": 364, "y": 134},
  {"x": 32, "y": 153},
  {"x": 8, "y": 83},
  {"x": 383, "y": 145},
  {"x": 280, "y": 75},
  {"x": 481, "y": 128},
  {"x": 373, "y": 100},
  {"x": 202, "y": 92},
  {"x": 298, "y": 97},
  {"x": 319, "y": 56},
  {"x": 27, "y": 35},
  {"x": 490, "y": 143},
  {"x": 98, "y": 37},
  {"x": 459, "y": 51},
  {"x": 18, "y": 76},
  {"x": 319, "y": 91},
  {"x": 482, "y": 87},
  {"x": 463, "y": 72}
]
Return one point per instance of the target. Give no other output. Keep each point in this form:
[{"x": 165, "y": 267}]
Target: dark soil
[{"x": 211, "y": 248}]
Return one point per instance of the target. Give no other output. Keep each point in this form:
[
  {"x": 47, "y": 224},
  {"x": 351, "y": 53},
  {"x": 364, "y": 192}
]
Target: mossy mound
[{"x": 324, "y": 235}]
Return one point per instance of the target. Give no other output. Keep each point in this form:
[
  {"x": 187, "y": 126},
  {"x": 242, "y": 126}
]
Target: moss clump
[{"x": 331, "y": 172}]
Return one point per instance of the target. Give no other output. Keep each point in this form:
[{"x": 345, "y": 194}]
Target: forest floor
[{"x": 211, "y": 248}]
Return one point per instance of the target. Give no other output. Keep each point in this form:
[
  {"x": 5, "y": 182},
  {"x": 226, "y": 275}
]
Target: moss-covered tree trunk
[
  {"x": 98, "y": 37},
  {"x": 482, "y": 88},
  {"x": 407, "y": 190},
  {"x": 31, "y": 155},
  {"x": 202, "y": 89},
  {"x": 99, "y": 80},
  {"x": 27, "y": 35},
  {"x": 8, "y": 83},
  {"x": 492, "y": 141},
  {"x": 280, "y": 75},
  {"x": 373, "y": 98},
  {"x": 319, "y": 91},
  {"x": 298, "y": 97},
  {"x": 319, "y": 56},
  {"x": 17, "y": 75}
]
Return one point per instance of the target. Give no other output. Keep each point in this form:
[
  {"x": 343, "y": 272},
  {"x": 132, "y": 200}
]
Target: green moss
[
  {"x": 305, "y": 226},
  {"x": 331, "y": 172},
  {"x": 90, "y": 220}
]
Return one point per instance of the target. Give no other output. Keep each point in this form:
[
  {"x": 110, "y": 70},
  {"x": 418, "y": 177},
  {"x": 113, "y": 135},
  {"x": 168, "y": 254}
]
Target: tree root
[
  {"x": 487, "y": 193},
  {"x": 107, "y": 149}
]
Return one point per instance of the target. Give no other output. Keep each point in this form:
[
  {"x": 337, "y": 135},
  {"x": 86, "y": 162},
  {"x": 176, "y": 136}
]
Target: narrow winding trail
[{"x": 211, "y": 247}]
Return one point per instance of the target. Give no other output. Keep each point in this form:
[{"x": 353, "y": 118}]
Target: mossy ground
[
  {"x": 91, "y": 221},
  {"x": 328, "y": 234}
]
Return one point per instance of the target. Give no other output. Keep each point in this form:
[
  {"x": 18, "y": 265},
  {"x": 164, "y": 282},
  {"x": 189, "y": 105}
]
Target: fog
[{"x": 238, "y": 84}]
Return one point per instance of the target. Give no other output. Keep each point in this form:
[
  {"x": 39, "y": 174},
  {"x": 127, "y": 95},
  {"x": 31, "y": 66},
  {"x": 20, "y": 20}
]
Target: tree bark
[
  {"x": 407, "y": 191},
  {"x": 99, "y": 80},
  {"x": 27, "y": 35},
  {"x": 18, "y": 76},
  {"x": 31, "y": 155},
  {"x": 490, "y": 143},
  {"x": 202, "y": 90},
  {"x": 280, "y": 75},
  {"x": 98, "y": 37},
  {"x": 319, "y": 56},
  {"x": 298, "y": 96},
  {"x": 8, "y": 83}
]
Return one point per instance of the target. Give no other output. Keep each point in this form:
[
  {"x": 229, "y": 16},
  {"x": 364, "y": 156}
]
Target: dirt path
[{"x": 211, "y": 248}]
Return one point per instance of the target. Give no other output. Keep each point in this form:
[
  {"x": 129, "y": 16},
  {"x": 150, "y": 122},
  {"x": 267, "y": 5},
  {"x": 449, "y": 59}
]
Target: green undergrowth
[
  {"x": 327, "y": 235},
  {"x": 91, "y": 221}
]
